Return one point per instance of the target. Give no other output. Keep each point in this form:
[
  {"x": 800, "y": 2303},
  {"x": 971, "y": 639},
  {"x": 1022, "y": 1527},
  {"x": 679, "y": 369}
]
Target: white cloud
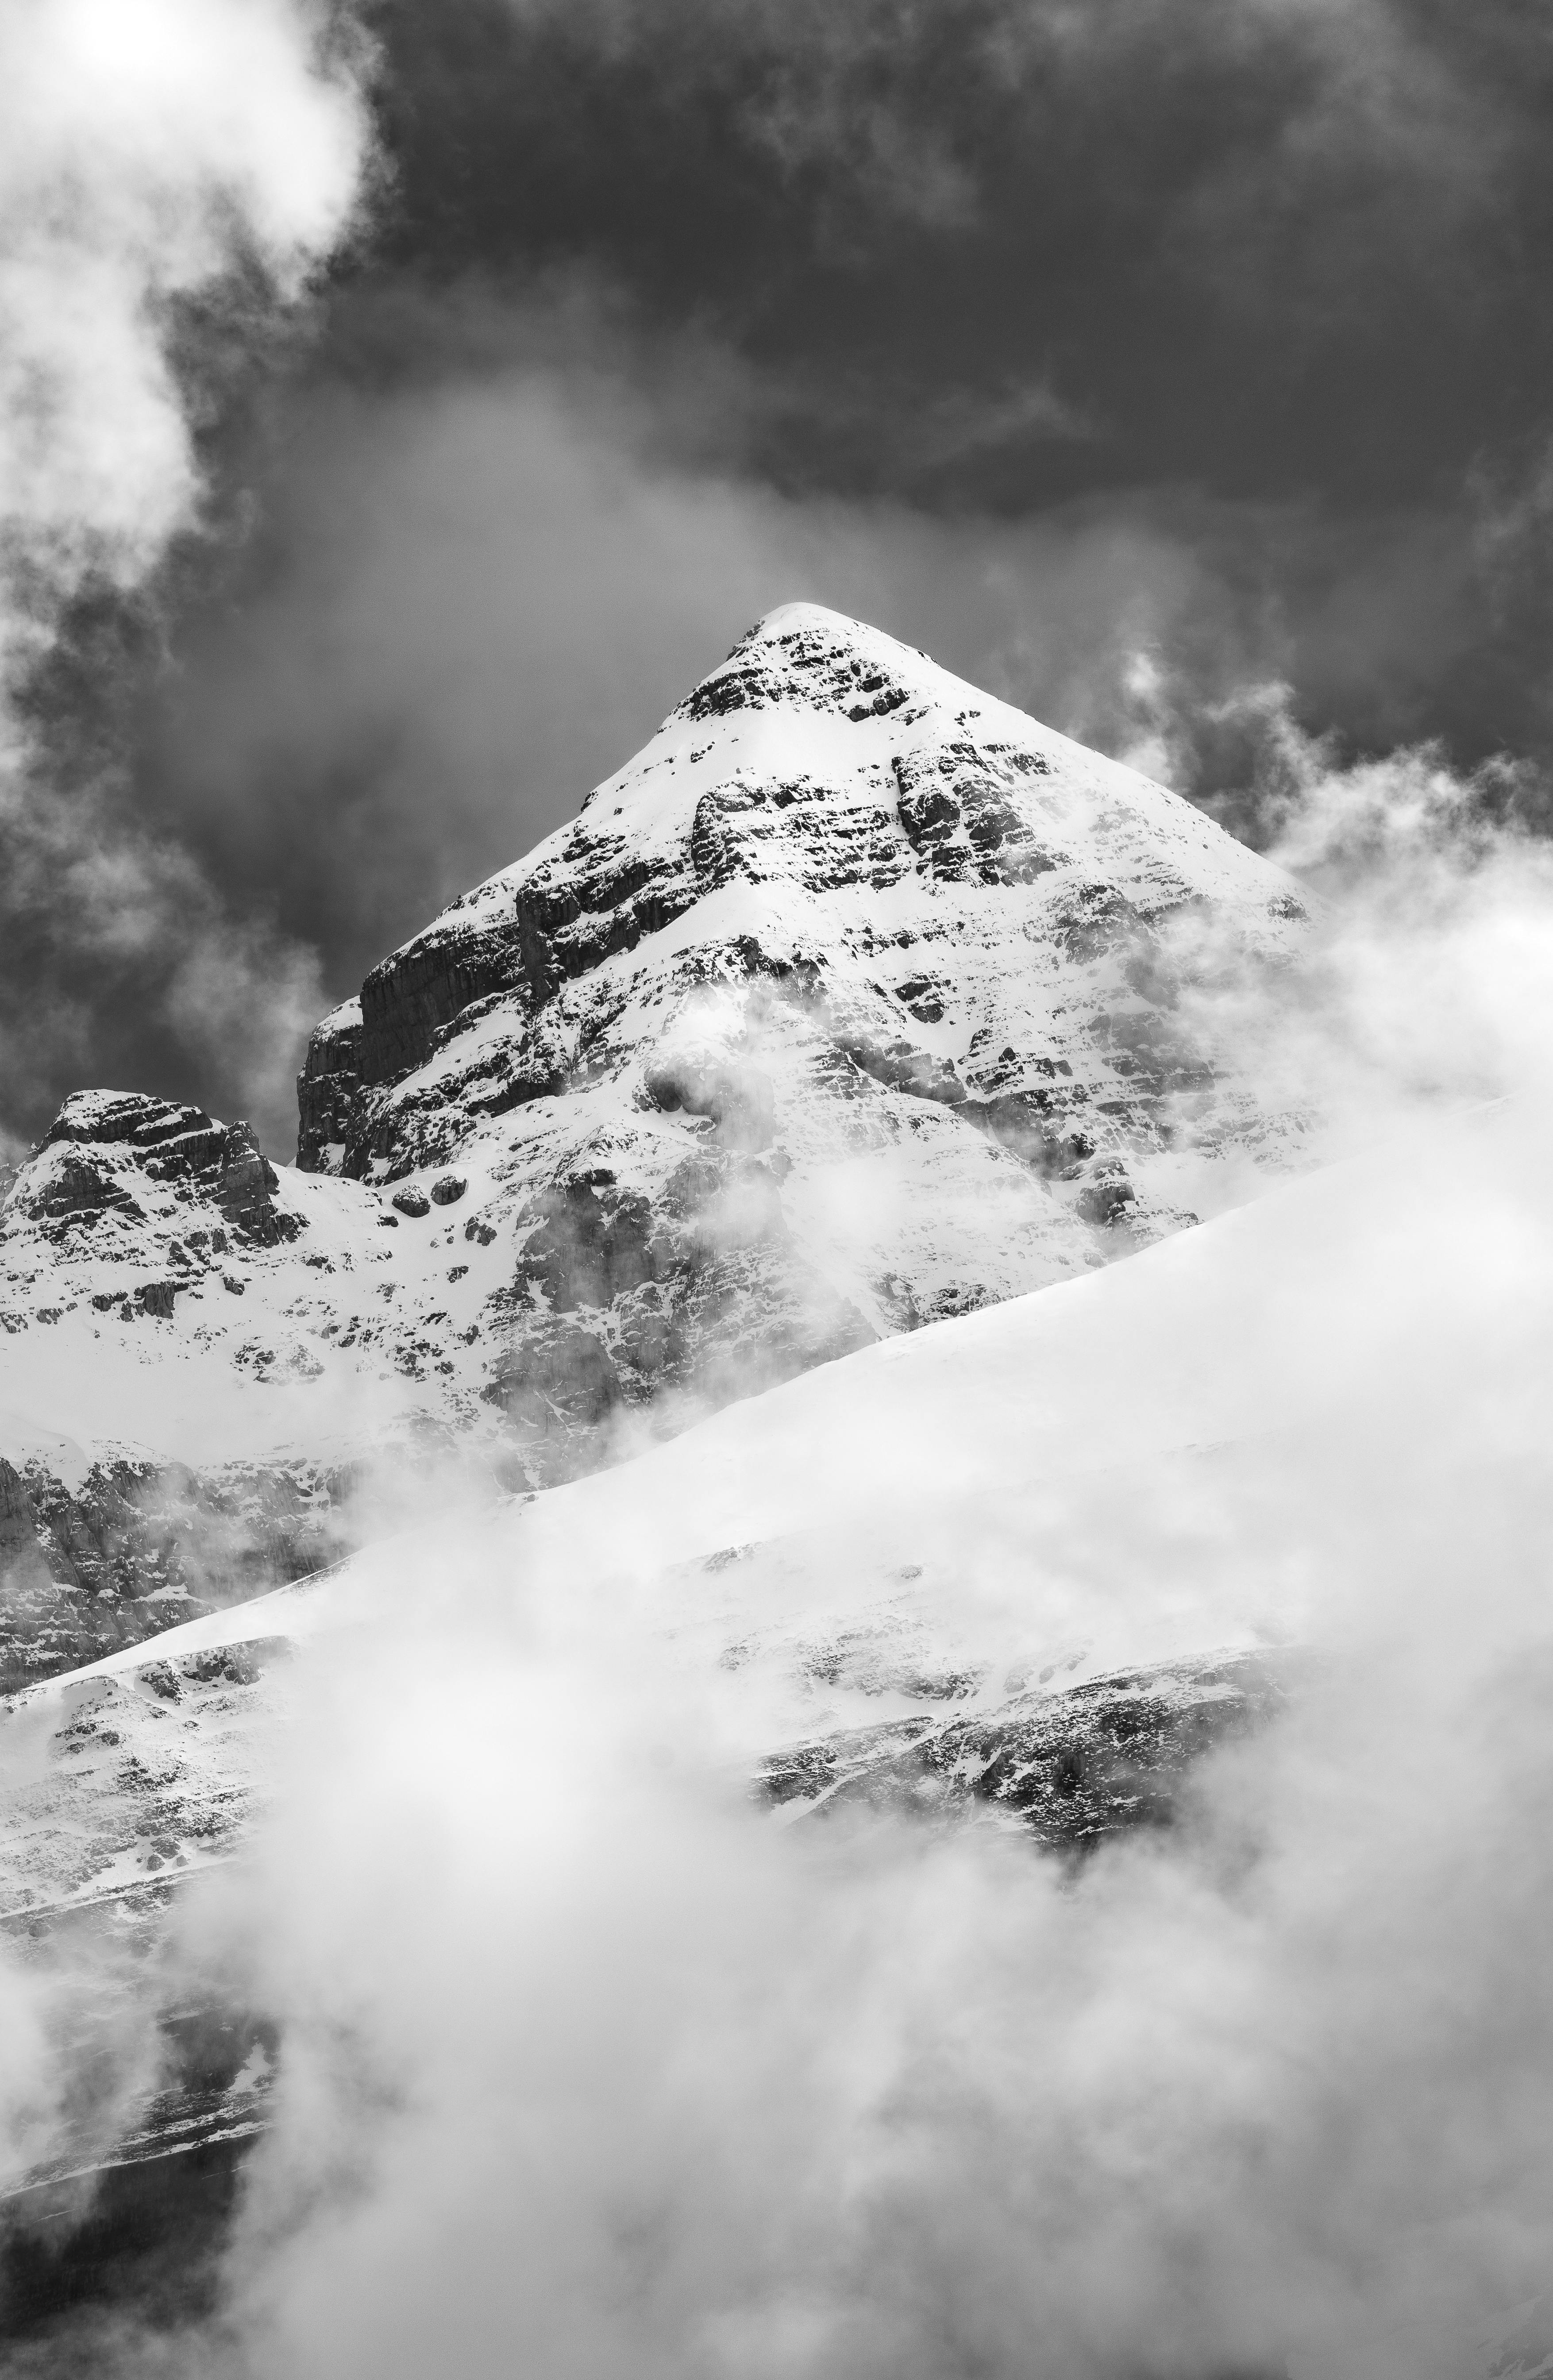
[
  {"x": 148, "y": 150},
  {"x": 143, "y": 144}
]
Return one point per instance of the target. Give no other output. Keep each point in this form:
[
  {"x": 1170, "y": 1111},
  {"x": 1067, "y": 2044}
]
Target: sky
[{"x": 403, "y": 406}]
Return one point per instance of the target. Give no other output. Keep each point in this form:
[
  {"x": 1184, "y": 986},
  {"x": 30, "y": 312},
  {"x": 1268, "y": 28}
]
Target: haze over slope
[{"x": 1023, "y": 1567}]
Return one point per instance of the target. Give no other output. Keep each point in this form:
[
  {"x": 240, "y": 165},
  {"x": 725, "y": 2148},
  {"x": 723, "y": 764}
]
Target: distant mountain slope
[{"x": 857, "y": 999}]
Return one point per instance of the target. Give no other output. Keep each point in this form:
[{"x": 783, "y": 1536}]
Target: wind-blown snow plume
[{"x": 153, "y": 154}]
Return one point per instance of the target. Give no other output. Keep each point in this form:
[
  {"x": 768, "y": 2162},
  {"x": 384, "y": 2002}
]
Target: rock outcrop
[
  {"x": 102, "y": 1143},
  {"x": 1074, "y": 1764},
  {"x": 135, "y": 1547}
]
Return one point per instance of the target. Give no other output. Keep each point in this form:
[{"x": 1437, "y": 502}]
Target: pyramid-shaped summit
[
  {"x": 846, "y": 1004},
  {"x": 826, "y": 793},
  {"x": 857, "y": 999}
]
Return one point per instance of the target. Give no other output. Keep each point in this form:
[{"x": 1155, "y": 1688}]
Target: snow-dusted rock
[{"x": 105, "y": 1146}]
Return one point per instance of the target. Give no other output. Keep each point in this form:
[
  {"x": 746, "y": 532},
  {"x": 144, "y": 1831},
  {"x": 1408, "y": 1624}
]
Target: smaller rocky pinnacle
[{"x": 112, "y": 1148}]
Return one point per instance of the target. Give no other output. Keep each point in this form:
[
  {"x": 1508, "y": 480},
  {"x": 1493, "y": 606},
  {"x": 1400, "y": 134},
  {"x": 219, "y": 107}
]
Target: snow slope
[{"x": 975, "y": 1527}]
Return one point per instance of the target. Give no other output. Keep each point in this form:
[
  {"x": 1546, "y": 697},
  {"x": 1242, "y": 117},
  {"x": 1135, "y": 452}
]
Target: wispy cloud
[{"x": 153, "y": 155}]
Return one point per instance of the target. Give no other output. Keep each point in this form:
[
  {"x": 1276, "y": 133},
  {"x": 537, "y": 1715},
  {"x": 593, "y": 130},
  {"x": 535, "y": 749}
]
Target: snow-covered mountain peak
[
  {"x": 804, "y": 655},
  {"x": 856, "y": 1000},
  {"x": 824, "y": 706}
]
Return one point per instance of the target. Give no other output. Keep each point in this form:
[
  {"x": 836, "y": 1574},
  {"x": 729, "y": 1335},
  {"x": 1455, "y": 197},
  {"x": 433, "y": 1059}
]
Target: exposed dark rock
[
  {"x": 411, "y": 1203},
  {"x": 1094, "y": 919},
  {"x": 102, "y": 1140},
  {"x": 699, "y": 1289},
  {"x": 329, "y": 1088},
  {"x": 182, "y": 1140},
  {"x": 1038, "y": 1125},
  {"x": 806, "y": 663},
  {"x": 411, "y": 994},
  {"x": 238, "y": 1665},
  {"x": 140, "y": 1548},
  {"x": 739, "y": 1099},
  {"x": 448, "y": 1189},
  {"x": 23, "y": 1568},
  {"x": 559, "y": 1384},
  {"x": 246, "y": 1188},
  {"x": 960, "y": 822},
  {"x": 80, "y": 1191},
  {"x": 919, "y": 995},
  {"x": 1075, "y": 1766},
  {"x": 587, "y": 1249},
  {"x": 144, "y": 2245},
  {"x": 904, "y": 1068},
  {"x": 648, "y": 1333},
  {"x": 1107, "y": 1199}
]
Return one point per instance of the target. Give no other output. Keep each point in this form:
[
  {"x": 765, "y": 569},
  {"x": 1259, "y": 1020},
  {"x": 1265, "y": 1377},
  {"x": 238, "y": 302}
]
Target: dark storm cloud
[
  {"x": 479, "y": 599},
  {"x": 1265, "y": 246},
  {"x": 1180, "y": 371}
]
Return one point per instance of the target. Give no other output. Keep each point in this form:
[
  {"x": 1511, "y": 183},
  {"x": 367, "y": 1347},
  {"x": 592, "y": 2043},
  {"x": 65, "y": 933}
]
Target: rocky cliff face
[
  {"x": 855, "y": 1000},
  {"x": 91, "y": 1565}
]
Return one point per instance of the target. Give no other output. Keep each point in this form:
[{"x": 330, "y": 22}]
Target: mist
[{"x": 588, "y": 2060}]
